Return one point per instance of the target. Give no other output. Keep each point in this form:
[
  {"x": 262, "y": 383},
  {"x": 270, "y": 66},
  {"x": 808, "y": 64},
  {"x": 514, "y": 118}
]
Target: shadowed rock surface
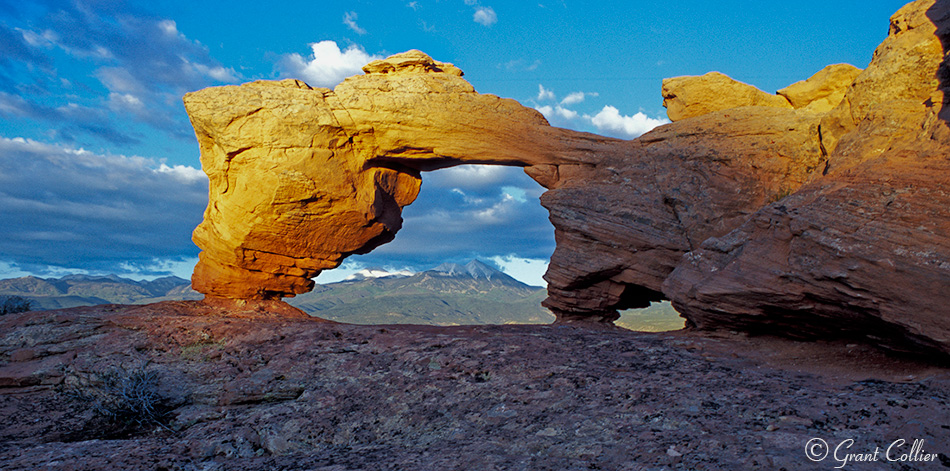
[
  {"x": 268, "y": 393},
  {"x": 864, "y": 250},
  {"x": 779, "y": 217}
]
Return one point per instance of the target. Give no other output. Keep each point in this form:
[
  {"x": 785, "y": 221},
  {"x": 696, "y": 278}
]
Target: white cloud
[
  {"x": 565, "y": 113},
  {"x": 183, "y": 173},
  {"x": 349, "y": 19},
  {"x": 126, "y": 102},
  {"x": 130, "y": 52},
  {"x": 120, "y": 80},
  {"x": 169, "y": 27},
  {"x": 218, "y": 73},
  {"x": 182, "y": 268},
  {"x": 610, "y": 121},
  {"x": 526, "y": 270},
  {"x": 557, "y": 111},
  {"x": 544, "y": 94},
  {"x": 521, "y": 64},
  {"x": 467, "y": 176},
  {"x": 573, "y": 98},
  {"x": 485, "y": 16},
  {"x": 328, "y": 65},
  {"x": 45, "y": 40},
  {"x": 352, "y": 269}
]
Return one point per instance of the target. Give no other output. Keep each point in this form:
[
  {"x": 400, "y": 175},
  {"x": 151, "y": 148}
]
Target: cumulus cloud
[
  {"x": 70, "y": 209},
  {"x": 485, "y": 16},
  {"x": 573, "y": 98},
  {"x": 327, "y": 65},
  {"x": 544, "y": 94},
  {"x": 551, "y": 113},
  {"x": 608, "y": 121},
  {"x": 349, "y": 19},
  {"x": 611, "y": 122},
  {"x": 576, "y": 97}
]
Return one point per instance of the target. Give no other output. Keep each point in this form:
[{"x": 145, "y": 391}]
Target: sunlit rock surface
[
  {"x": 691, "y": 96},
  {"x": 819, "y": 211}
]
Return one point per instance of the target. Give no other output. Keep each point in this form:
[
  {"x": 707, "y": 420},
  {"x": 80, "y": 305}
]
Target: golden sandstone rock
[
  {"x": 300, "y": 177},
  {"x": 769, "y": 213},
  {"x": 823, "y": 91},
  {"x": 687, "y": 97}
]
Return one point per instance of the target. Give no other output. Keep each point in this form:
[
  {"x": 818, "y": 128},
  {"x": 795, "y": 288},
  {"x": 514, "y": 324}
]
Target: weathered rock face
[
  {"x": 622, "y": 225},
  {"x": 864, "y": 250},
  {"x": 300, "y": 178},
  {"x": 823, "y": 91},
  {"x": 762, "y": 212},
  {"x": 900, "y": 81},
  {"x": 689, "y": 96}
]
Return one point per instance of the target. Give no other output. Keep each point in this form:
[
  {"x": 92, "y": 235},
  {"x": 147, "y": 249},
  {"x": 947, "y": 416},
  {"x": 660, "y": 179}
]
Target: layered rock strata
[
  {"x": 817, "y": 211},
  {"x": 865, "y": 249}
]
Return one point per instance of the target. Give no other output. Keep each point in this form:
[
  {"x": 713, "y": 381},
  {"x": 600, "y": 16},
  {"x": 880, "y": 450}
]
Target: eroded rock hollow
[{"x": 819, "y": 211}]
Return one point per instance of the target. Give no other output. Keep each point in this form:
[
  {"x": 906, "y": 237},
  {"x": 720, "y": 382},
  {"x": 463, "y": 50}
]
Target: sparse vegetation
[
  {"x": 14, "y": 304},
  {"x": 124, "y": 402}
]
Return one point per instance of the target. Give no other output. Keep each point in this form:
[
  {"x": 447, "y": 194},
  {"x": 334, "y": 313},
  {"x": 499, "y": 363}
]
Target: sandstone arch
[
  {"x": 301, "y": 178},
  {"x": 765, "y": 218}
]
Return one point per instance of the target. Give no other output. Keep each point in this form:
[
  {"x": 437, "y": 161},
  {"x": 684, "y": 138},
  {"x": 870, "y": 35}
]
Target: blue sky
[{"x": 99, "y": 169}]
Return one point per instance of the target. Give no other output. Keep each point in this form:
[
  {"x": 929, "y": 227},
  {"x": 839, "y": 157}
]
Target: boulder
[
  {"x": 823, "y": 91},
  {"x": 623, "y": 224},
  {"x": 690, "y": 96},
  {"x": 863, "y": 251},
  {"x": 903, "y": 78}
]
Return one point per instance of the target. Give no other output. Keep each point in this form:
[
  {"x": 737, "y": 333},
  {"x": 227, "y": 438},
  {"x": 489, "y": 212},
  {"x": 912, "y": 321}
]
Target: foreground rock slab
[{"x": 277, "y": 393}]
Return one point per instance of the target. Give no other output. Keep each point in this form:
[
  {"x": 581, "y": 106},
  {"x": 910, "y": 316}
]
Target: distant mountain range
[
  {"x": 450, "y": 294},
  {"x": 87, "y": 290}
]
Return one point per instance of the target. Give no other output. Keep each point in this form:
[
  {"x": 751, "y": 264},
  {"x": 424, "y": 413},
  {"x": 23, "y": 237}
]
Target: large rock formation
[
  {"x": 300, "y": 177},
  {"x": 823, "y": 91},
  {"x": 865, "y": 249},
  {"x": 772, "y": 213}
]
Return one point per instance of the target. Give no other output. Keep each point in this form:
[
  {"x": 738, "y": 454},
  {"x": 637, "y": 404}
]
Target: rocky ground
[{"x": 162, "y": 387}]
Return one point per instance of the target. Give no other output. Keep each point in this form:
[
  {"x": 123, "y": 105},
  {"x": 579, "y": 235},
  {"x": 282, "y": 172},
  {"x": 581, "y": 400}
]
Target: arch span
[{"x": 300, "y": 178}]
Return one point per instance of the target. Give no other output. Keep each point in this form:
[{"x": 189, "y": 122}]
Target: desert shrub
[
  {"x": 125, "y": 402},
  {"x": 13, "y": 304}
]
